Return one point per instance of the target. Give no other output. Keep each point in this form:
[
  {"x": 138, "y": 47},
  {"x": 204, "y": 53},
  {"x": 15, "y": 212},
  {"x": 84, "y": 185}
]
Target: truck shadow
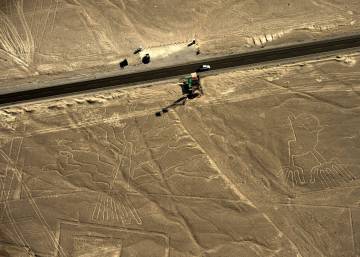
[
  {"x": 179, "y": 102},
  {"x": 190, "y": 88}
]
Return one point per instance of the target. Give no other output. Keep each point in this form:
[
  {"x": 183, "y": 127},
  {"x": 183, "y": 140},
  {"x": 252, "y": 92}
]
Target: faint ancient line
[
  {"x": 94, "y": 122},
  {"x": 100, "y": 37},
  {"x": 327, "y": 189},
  {"x": 7, "y": 5},
  {"x": 107, "y": 208},
  {"x": 115, "y": 209},
  {"x": 2, "y": 190},
  {"x": 152, "y": 157},
  {"x": 11, "y": 235},
  {"x": 38, "y": 28},
  {"x": 33, "y": 14},
  {"x": 14, "y": 57},
  {"x": 7, "y": 194},
  {"x": 148, "y": 112},
  {"x": 130, "y": 177},
  {"x": 167, "y": 249},
  {"x": 34, "y": 205},
  {"x": 11, "y": 12},
  {"x": 312, "y": 205},
  {"x": 103, "y": 207},
  {"x": 6, "y": 211},
  {"x": 99, "y": 207},
  {"x": 305, "y": 235},
  {"x": 121, "y": 213},
  {"x": 96, "y": 207},
  {"x": 17, "y": 155},
  {"x": 54, "y": 195},
  {"x": 116, "y": 172},
  {"x": 111, "y": 228},
  {"x": 43, "y": 221},
  {"x": 233, "y": 186},
  {"x": 91, "y": 123},
  {"x": 112, "y": 209},
  {"x": 30, "y": 45},
  {"x": 133, "y": 211},
  {"x": 103, "y": 199},
  {"x": 185, "y": 197},
  {"x": 18, "y": 219},
  {"x": 109, "y": 205},
  {"x": 16, "y": 230},
  {"x": 247, "y": 97},
  {"x": 45, "y": 25},
  {"x": 345, "y": 173},
  {"x": 334, "y": 6},
  {"x": 112, "y": 212},
  {"x": 104, "y": 210},
  {"x": 19, "y": 235},
  {"x": 54, "y": 18},
  {"x": 215, "y": 167},
  {"x": 352, "y": 229},
  {"x": 179, "y": 173},
  {"x": 127, "y": 216}
]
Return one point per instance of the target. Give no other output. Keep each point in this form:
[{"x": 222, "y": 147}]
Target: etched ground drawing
[
  {"x": 179, "y": 128},
  {"x": 264, "y": 164},
  {"x": 306, "y": 129}
]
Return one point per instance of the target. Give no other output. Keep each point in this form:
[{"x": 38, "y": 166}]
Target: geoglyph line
[
  {"x": 34, "y": 205},
  {"x": 233, "y": 186},
  {"x": 212, "y": 101},
  {"x": 352, "y": 229},
  {"x": 11, "y": 44},
  {"x": 16, "y": 144}
]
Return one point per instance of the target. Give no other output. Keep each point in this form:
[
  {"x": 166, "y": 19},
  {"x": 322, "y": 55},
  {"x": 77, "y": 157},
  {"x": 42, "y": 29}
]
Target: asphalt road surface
[{"x": 249, "y": 58}]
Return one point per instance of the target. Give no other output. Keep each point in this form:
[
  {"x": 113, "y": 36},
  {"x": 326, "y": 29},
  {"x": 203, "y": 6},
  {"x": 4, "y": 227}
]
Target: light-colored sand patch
[{"x": 180, "y": 50}]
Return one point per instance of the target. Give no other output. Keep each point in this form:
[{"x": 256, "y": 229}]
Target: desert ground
[
  {"x": 266, "y": 163},
  {"x": 39, "y": 37}
]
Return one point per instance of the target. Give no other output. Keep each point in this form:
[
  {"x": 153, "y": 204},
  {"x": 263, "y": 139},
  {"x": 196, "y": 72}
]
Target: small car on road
[{"x": 204, "y": 67}]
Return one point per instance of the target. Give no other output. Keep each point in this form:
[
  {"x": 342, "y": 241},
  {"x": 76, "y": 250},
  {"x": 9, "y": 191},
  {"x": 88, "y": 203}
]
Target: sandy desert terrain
[
  {"x": 40, "y": 37},
  {"x": 265, "y": 164}
]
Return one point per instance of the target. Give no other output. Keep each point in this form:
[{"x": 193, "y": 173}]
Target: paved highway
[{"x": 249, "y": 58}]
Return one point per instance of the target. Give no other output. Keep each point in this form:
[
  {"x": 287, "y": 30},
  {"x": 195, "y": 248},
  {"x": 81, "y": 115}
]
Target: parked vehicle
[
  {"x": 193, "y": 42},
  {"x": 124, "y": 63},
  {"x": 146, "y": 59}
]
